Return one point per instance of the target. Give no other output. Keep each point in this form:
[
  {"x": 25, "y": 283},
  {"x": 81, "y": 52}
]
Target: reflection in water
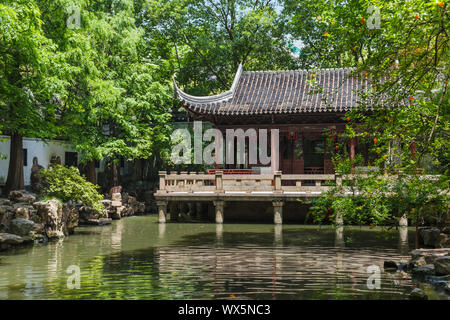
[
  {"x": 116, "y": 237},
  {"x": 219, "y": 234},
  {"x": 161, "y": 230},
  {"x": 339, "y": 238},
  {"x": 278, "y": 235},
  {"x": 403, "y": 245},
  {"x": 137, "y": 258}
]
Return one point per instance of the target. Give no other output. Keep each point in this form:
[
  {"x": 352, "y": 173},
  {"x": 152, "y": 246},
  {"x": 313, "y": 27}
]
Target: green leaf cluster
[{"x": 67, "y": 184}]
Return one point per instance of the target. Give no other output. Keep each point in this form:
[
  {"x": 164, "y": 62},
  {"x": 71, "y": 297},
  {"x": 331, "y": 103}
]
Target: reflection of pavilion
[{"x": 273, "y": 271}]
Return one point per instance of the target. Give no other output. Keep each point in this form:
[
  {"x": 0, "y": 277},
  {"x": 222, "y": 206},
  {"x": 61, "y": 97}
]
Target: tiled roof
[{"x": 278, "y": 92}]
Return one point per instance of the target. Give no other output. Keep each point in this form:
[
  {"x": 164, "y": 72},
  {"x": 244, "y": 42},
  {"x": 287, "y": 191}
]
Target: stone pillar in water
[
  {"x": 277, "y": 211},
  {"x": 162, "y": 210},
  {"x": 219, "y": 206},
  {"x": 403, "y": 222}
]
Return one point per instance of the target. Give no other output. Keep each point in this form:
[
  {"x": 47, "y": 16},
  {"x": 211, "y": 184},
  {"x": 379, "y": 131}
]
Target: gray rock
[
  {"x": 428, "y": 255},
  {"x": 21, "y": 227},
  {"x": 54, "y": 234},
  {"x": 442, "y": 265},
  {"x": 423, "y": 271},
  {"x": 440, "y": 281},
  {"x": 5, "y": 202},
  {"x": 99, "y": 222},
  {"x": 22, "y": 212},
  {"x": 416, "y": 262},
  {"x": 418, "y": 294},
  {"x": 10, "y": 238},
  {"x": 106, "y": 203},
  {"x": 430, "y": 237},
  {"x": 5, "y": 208},
  {"x": 22, "y": 196},
  {"x": 116, "y": 196}
]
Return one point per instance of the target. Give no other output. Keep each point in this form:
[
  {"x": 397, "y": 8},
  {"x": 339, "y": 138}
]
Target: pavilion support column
[
  {"x": 352, "y": 150},
  {"x": 219, "y": 206},
  {"x": 162, "y": 210},
  {"x": 403, "y": 222},
  {"x": 277, "y": 211}
]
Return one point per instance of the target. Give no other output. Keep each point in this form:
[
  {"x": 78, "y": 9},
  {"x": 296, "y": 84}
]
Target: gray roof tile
[{"x": 269, "y": 92}]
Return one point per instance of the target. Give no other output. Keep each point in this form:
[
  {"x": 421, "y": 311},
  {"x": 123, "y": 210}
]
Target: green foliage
[
  {"x": 210, "y": 38},
  {"x": 67, "y": 184},
  {"x": 31, "y": 80},
  {"x": 380, "y": 200},
  {"x": 117, "y": 99}
]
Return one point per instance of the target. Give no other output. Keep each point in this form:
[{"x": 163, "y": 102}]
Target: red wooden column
[
  {"x": 413, "y": 148},
  {"x": 352, "y": 149}
]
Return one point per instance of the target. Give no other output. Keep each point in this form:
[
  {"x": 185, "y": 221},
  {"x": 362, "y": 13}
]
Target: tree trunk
[
  {"x": 115, "y": 174},
  {"x": 15, "y": 171},
  {"x": 91, "y": 175}
]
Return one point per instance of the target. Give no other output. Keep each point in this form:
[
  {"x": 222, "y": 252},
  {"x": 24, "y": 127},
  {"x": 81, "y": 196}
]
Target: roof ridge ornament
[{"x": 221, "y": 97}]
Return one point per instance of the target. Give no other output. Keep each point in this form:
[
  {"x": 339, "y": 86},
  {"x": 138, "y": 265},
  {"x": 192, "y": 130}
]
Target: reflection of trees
[{"x": 209, "y": 261}]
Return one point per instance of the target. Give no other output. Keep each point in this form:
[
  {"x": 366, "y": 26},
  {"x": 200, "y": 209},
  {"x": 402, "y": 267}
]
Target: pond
[{"x": 137, "y": 258}]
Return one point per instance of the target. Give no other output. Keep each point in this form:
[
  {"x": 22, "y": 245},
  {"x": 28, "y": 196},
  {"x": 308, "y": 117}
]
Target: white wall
[{"x": 35, "y": 148}]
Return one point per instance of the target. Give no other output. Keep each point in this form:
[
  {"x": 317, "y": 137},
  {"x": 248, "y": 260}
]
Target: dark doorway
[{"x": 313, "y": 153}]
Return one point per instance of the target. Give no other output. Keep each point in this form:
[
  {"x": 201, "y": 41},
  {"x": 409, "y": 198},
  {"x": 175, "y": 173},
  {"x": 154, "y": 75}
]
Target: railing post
[
  {"x": 277, "y": 181},
  {"x": 162, "y": 181},
  {"x": 338, "y": 180},
  {"x": 219, "y": 181}
]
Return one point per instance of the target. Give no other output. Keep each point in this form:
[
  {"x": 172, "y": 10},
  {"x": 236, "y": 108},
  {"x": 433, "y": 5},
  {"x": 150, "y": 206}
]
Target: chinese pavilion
[{"x": 303, "y": 104}]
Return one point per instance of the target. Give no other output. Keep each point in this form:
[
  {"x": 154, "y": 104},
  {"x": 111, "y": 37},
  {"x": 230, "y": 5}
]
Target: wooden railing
[
  {"x": 277, "y": 183},
  {"x": 198, "y": 182}
]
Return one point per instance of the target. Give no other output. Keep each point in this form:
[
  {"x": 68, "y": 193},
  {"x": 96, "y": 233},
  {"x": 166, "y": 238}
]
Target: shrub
[{"x": 67, "y": 184}]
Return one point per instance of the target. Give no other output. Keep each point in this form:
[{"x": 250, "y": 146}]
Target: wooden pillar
[
  {"x": 352, "y": 150},
  {"x": 277, "y": 211},
  {"x": 413, "y": 148},
  {"x": 162, "y": 210},
  {"x": 219, "y": 206}
]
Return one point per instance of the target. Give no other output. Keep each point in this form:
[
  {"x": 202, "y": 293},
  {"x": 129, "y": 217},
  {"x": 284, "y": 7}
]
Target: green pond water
[{"x": 137, "y": 258}]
